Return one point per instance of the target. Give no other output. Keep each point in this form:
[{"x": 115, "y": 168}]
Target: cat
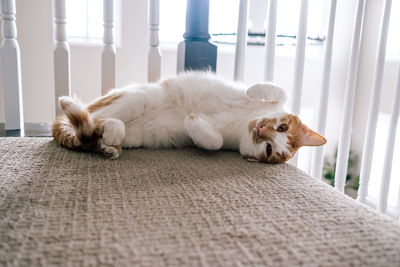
[{"x": 193, "y": 108}]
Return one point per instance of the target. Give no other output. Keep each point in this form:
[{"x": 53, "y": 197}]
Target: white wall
[{"x": 35, "y": 33}]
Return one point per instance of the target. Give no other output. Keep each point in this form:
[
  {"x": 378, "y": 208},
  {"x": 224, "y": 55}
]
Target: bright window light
[
  {"x": 224, "y": 16},
  {"x": 393, "y": 41},
  {"x": 85, "y": 19},
  {"x": 172, "y": 20},
  {"x": 288, "y": 17}
]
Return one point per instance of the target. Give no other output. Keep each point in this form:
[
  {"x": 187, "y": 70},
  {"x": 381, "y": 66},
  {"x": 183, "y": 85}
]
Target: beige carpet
[{"x": 177, "y": 208}]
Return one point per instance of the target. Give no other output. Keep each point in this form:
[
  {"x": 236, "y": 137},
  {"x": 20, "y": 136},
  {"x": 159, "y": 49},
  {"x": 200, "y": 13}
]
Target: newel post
[{"x": 196, "y": 52}]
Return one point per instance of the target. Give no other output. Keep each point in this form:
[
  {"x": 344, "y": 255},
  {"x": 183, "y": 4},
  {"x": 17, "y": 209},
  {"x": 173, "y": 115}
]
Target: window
[
  {"x": 393, "y": 41},
  {"x": 288, "y": 20},
  {"x": 173, "y": 18},
  {"x": 85, "y": 21},
  {"x": 224, "y": 15}
]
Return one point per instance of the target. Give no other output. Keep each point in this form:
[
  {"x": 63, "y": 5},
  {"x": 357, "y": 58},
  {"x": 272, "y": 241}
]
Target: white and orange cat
[{"x": 193, "y": 108}]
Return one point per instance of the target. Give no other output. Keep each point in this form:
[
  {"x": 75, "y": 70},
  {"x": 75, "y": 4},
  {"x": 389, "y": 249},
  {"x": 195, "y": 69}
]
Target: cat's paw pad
[
  {"x": 271, "y": 93},
  {"x": 111, "y": 152},
  {"x": 193, "y": 122},
  {"x": 193, "y": 117},
  {"x": 114, "y": 131}
]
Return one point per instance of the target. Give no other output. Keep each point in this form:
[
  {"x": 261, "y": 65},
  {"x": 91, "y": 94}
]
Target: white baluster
[
  {"x": 10, "y": 54},
  {"x": 369, "y": 140},
  {"x": 398, "y": 204},
  {"x": 387, "y": 165},
  {"x": 154, "y": 54},
  {"x": 299, "y": 64},
  {"x": 108, "y": 53},
  {"x": 347, "y": 114},
  {"x": 300, "y": 55},
  {"x": 62, "y": 80},
  {"x": 318, "y": 152},
  {"x": 270, "y": 41},
  {"x": 241, "y": 41}
]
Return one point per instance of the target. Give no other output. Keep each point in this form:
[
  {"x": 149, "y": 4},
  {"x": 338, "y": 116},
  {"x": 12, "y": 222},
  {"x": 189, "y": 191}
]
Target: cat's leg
[
  {"x": 270, "y": 92},
  {"x": 202, "y": 133},
  {"x": 112, "y": 131},
  {"x": 134, "y": 135},
  {"x": 125, "y": 104}
]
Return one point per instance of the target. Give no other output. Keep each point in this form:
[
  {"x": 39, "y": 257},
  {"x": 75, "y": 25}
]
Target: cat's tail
[{"x": 78, "y": 128}]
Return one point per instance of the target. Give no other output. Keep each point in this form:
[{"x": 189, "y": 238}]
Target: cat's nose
[
  {"x": 264, "y": 131},
  {"x": 259, "y": 130}
]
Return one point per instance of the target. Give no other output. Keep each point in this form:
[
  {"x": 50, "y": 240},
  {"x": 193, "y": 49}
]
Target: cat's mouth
[{"x": 268, "y": 150}]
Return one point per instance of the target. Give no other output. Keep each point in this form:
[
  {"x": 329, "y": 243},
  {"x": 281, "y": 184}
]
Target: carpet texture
[{"x": 183, "y": 207}]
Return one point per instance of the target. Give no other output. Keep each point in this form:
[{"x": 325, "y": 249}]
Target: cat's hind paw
[
  {"x": 270, "y": 92},
  {"x": 114, "y": 131},
  {"x": 111, "y": 152},
  {"x": 202, "y": 133}
]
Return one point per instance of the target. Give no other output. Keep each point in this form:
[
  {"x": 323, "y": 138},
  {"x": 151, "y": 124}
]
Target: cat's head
[{"x": 275, "y": 139}]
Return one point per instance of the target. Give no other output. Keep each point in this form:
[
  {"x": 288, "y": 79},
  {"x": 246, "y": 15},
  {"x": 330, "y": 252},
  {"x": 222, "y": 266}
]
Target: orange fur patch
[
  {"x": 103, "y": 102},
  {"x": 79, "y": 119},
  {"x": 79, "y": 132},
  {"x": 295, "y": 131},
  {"x": 276, "y": 158},
  {"x": 265, "y": 131},
  {"x": 64, "y": 133}
]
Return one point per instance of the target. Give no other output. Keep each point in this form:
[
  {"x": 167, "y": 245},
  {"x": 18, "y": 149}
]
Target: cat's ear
[{"x": 311, "y": 138}]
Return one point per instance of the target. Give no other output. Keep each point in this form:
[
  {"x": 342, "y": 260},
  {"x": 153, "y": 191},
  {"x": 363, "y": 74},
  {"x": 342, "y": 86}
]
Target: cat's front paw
[
  {"x": 202, "y": 133},
  {"x": 114, "y": 132}
]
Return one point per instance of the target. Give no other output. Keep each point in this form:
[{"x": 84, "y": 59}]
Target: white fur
[
  {"x": 202, "y": 133},
  {"x": 270, "y": 92},
  {"x": 114, "y": 131},
  {"x": 190, "y": 108},
  {"x": 247, "y": 148},
  {"x": 281, "y": 142},
  {"x": 70, "y": 106}
]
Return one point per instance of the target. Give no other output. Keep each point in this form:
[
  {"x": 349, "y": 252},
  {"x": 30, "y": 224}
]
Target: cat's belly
[{"x": 163, "y": 132}]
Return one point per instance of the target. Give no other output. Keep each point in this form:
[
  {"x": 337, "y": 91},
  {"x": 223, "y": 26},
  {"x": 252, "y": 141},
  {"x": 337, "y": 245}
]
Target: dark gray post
[{"x": 196, "y": 52}]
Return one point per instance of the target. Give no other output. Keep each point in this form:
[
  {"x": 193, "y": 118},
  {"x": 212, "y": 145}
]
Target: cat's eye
[
  {"x": 282, "y": 128},
  {"x": 269, "y": 150}
]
